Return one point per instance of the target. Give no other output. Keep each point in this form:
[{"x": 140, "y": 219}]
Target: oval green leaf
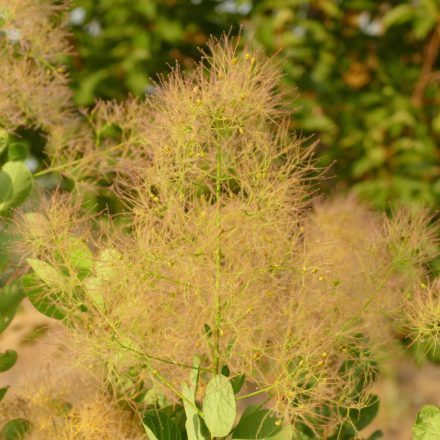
[
  {"x": 10, "y": 297},
  {"x": 427, "y": 425},
  {"x": 3, "y": 391},
  {"x": 4, "y": 140},
  {"x": 195, "y": 428},
  {"x": 6, "y": 192},
  {"x": 38, "y": 298},
  {"x": 7, "y": 360},
  {"x": 15, "y": 185},
  {"x": 159, "y": 426},
  {"x": 18, "y": 151},
  {"x": 237, "y": 382},
  {"x": 80, "y": 256},
  {"x": 259, "y": 424},
  {"x": 48, "y": 274},
  {"x": 15, "y": 429},
  {"x": 219, "y": 406},
  {"x": 360, "y": 418}
]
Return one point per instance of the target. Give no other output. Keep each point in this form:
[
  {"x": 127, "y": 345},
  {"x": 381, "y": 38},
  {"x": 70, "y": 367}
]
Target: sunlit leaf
[{"x": 219, "y": 407}]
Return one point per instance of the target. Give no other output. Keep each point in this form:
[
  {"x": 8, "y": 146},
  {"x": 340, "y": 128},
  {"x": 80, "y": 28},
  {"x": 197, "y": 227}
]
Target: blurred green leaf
[
  {"x": 3, "y": 392},
  {"x": 15, "y": 429},
  {"x": 427, "y": 425},
  {"x": 7, "y": 360},
  {"x": 15, "y": 185},
  {"x": 17, "y": 151},
  {"x": 398, "y": 15},
  {"x": 4, "y": 140},
  {"x": 347, "y": 74},
  {"x": 10, "y": 297}
]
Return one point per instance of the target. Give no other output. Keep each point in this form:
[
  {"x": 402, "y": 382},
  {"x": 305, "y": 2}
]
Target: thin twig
[{"x": 427, "y": 75}]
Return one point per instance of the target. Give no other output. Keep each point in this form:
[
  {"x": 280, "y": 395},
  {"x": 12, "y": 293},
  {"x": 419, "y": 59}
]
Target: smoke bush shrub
[{"x": 218, "y": 284}]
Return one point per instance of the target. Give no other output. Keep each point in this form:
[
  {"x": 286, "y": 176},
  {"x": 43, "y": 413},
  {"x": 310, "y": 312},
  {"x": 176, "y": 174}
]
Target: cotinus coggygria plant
[{"x": 221, "y": 302}]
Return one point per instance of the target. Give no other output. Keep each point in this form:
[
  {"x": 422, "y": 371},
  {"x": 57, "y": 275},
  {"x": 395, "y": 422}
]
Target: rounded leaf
[
  {"x": 6, "y": 192},
  {"x": 15, "y": 185},
  {"x": 360, "y": 418},
  {"x": 18, "y": 151},
  {"x": 10, "y": 297},
  {"x": 219, "y": 406},
  {"x": 80, "y": 256},
  {"x": 159, "y": 426},
  {"x": 38, "y": 298},
  {"x": 427, "y": 425},
  {"x": 237, "y": 382},
  {"x": 48, "y": 274},
  {"x": 15, "y": 429},
  {"x": 7, "y": 360},
  {"x": 259, "y": 424}
]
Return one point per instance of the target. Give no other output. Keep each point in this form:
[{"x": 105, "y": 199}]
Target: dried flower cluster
[
  {"x": 70, "y": 408},
  {"x": 34, "y": 90}
]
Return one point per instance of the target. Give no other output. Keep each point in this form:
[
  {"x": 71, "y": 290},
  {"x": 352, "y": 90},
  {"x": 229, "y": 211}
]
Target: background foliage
[{"x": 364, "y": 74}]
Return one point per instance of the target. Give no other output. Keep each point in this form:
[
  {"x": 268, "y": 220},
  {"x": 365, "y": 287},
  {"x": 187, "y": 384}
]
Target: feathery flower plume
[{"x": 220, "y": 258}]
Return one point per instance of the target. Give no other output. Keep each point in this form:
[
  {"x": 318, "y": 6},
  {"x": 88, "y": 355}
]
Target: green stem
[
  {"x": 77, "y": 161},
  {"x": 370, "y": 299},
  {"x": 153, "y": 371},
  {"x": 255, "y": 393},
  {"x": 177, "y": 392},
  {"x": 218, "y": 266}
]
